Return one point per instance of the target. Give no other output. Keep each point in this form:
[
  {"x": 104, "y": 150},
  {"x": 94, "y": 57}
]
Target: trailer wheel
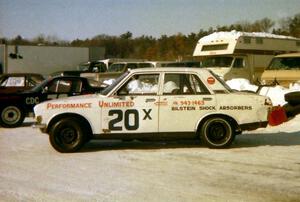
[
  {"x": 66, "y": 135},
  {"x": 216, "y": 132},
  {"x": 11, "y": 116}
]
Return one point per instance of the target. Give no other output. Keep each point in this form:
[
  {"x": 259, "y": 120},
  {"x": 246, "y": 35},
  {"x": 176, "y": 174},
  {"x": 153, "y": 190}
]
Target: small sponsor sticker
[{"x": 211, "y": 80}]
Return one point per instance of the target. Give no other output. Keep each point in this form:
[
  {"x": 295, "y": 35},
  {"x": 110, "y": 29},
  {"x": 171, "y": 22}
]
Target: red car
[{"x": 17, "y": 82}]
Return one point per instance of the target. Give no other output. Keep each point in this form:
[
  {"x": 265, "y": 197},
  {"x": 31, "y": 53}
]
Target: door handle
[
  {"x": 207, "y": 98},
  {"x": 150, "y": 100}
]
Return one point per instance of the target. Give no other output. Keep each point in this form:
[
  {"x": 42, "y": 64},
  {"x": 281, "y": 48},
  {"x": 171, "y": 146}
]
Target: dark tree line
[{"x": 172, "y": 47}]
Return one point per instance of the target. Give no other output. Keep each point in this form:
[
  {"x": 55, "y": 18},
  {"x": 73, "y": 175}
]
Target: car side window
[
  {"x": 179, "y": 84},
  {"x": 60, "y": 86},
  {"x": 76, "y": 86},
  {"x": 145, "y": 84},
  {"x": 131, "y": 66},
  {"x": 52, "y": 88},
  {"x": 238, "y": 63},
  {"x": 64, "y": 86}
]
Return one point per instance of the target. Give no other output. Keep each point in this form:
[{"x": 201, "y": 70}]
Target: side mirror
[{"x": 45, "y": 90}]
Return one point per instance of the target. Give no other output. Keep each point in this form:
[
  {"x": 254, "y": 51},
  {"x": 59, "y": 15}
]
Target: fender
[
  {"x": 196, "y": 127},
  {"x": 58, "y": 116}
]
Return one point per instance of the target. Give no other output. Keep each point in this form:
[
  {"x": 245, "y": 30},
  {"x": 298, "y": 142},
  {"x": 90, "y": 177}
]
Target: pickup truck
[{"x": 115, "y": 70}]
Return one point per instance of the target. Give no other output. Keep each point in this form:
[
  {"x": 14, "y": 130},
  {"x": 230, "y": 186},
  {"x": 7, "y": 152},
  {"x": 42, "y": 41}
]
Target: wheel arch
[
  {"x": 82, "y": 120},
  {"x": 230, "y": 119}
]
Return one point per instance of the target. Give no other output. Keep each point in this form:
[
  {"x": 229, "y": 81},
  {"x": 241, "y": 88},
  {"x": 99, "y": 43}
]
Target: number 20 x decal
[{"x": 120, "y": 115}]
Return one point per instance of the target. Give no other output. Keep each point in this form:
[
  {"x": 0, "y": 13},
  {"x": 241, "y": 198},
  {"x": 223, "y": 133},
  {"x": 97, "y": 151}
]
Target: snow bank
[
  {"x": 276, "y": 93},
  {"x": 241, "y": 84},
  {"x": 109, "y": 81}
]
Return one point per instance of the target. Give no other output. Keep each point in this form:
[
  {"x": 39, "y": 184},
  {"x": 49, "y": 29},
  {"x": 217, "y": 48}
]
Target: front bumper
[
  {"x": 38, "y": 124},
  {"x": 42, "y": 127}
]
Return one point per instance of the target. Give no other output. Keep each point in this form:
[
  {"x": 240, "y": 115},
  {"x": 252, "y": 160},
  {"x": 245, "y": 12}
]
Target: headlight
[{"x": 39, "y": 119}]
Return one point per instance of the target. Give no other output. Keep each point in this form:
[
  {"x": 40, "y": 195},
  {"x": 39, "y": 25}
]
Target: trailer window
[
  {"x": 247, "y": 40},
  {"x": 217, "y": 62},
  {"x": 214, "y": 47}
]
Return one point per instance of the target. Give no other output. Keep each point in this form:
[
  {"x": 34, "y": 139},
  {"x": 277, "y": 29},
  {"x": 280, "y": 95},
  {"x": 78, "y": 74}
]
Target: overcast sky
[{"x": 72, "y": 19}]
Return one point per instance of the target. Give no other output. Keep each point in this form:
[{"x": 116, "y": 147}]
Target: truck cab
[
  {"x": 283, "y": 70},
  {"x": 228, "y": 66}
]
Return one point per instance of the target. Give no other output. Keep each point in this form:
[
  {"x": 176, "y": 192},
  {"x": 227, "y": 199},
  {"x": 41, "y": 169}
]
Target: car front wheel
[
  {"x": 11, "y": 116},
  {"x": 217, "y": 132},
  {"x": 66, "y": 135}
]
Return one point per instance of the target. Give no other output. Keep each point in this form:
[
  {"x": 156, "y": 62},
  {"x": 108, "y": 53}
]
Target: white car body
[{"x": 153, "y": 111}]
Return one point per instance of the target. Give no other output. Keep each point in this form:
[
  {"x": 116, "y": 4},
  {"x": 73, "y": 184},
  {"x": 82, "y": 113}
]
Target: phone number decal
[{"x": 189, "y": 103}]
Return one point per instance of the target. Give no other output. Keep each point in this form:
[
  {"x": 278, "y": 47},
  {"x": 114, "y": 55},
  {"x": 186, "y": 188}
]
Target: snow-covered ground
[{"x": 261, "y": 165}]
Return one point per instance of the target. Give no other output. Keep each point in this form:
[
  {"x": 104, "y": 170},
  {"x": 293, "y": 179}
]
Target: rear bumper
[{"x": 254, "y": 126}]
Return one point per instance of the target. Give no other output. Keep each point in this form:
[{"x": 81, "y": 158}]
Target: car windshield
[
  {"x": 285, "y": 63},
  {"x": 115, "y": 82},
  {"x": 40, "y": 86},
  {"x": 217, "y": 62},
  {"x": 94, "y": 83}
]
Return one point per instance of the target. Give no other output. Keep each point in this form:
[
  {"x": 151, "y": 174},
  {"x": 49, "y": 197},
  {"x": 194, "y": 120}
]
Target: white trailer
[
  {"x": 242, "y": 54},
  {"x": 45, "y": 59}
]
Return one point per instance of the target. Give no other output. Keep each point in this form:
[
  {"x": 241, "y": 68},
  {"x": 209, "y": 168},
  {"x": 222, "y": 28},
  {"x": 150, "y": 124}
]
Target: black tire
[
  {"x": 293, "y": 98},
  {"x": 216, "y": 132},
  {"x": 66, "y": 135},
  {"x": 11, "y": 116}
]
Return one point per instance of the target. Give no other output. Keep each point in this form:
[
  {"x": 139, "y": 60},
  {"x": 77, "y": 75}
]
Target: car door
[
  {"x": 184, "y": 100},
  {"x": 133, "y": 107}
]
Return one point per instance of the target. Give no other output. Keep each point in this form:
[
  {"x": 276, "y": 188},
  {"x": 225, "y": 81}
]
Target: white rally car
[{"x": 154, "y": 103}]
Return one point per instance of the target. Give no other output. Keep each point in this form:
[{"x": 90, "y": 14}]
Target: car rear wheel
[
  {"x": 11, "y": 116},
  {"x": 66, "y": 135},
  {"x": 217, "y": 132}
]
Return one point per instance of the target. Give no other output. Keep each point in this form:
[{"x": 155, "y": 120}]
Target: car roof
[
  {"x": 288, "y": 55},
  {"x": 21, "y": 74},
  {"x": 67, "y": 77},
  {"x": 169, "y": 69}
]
